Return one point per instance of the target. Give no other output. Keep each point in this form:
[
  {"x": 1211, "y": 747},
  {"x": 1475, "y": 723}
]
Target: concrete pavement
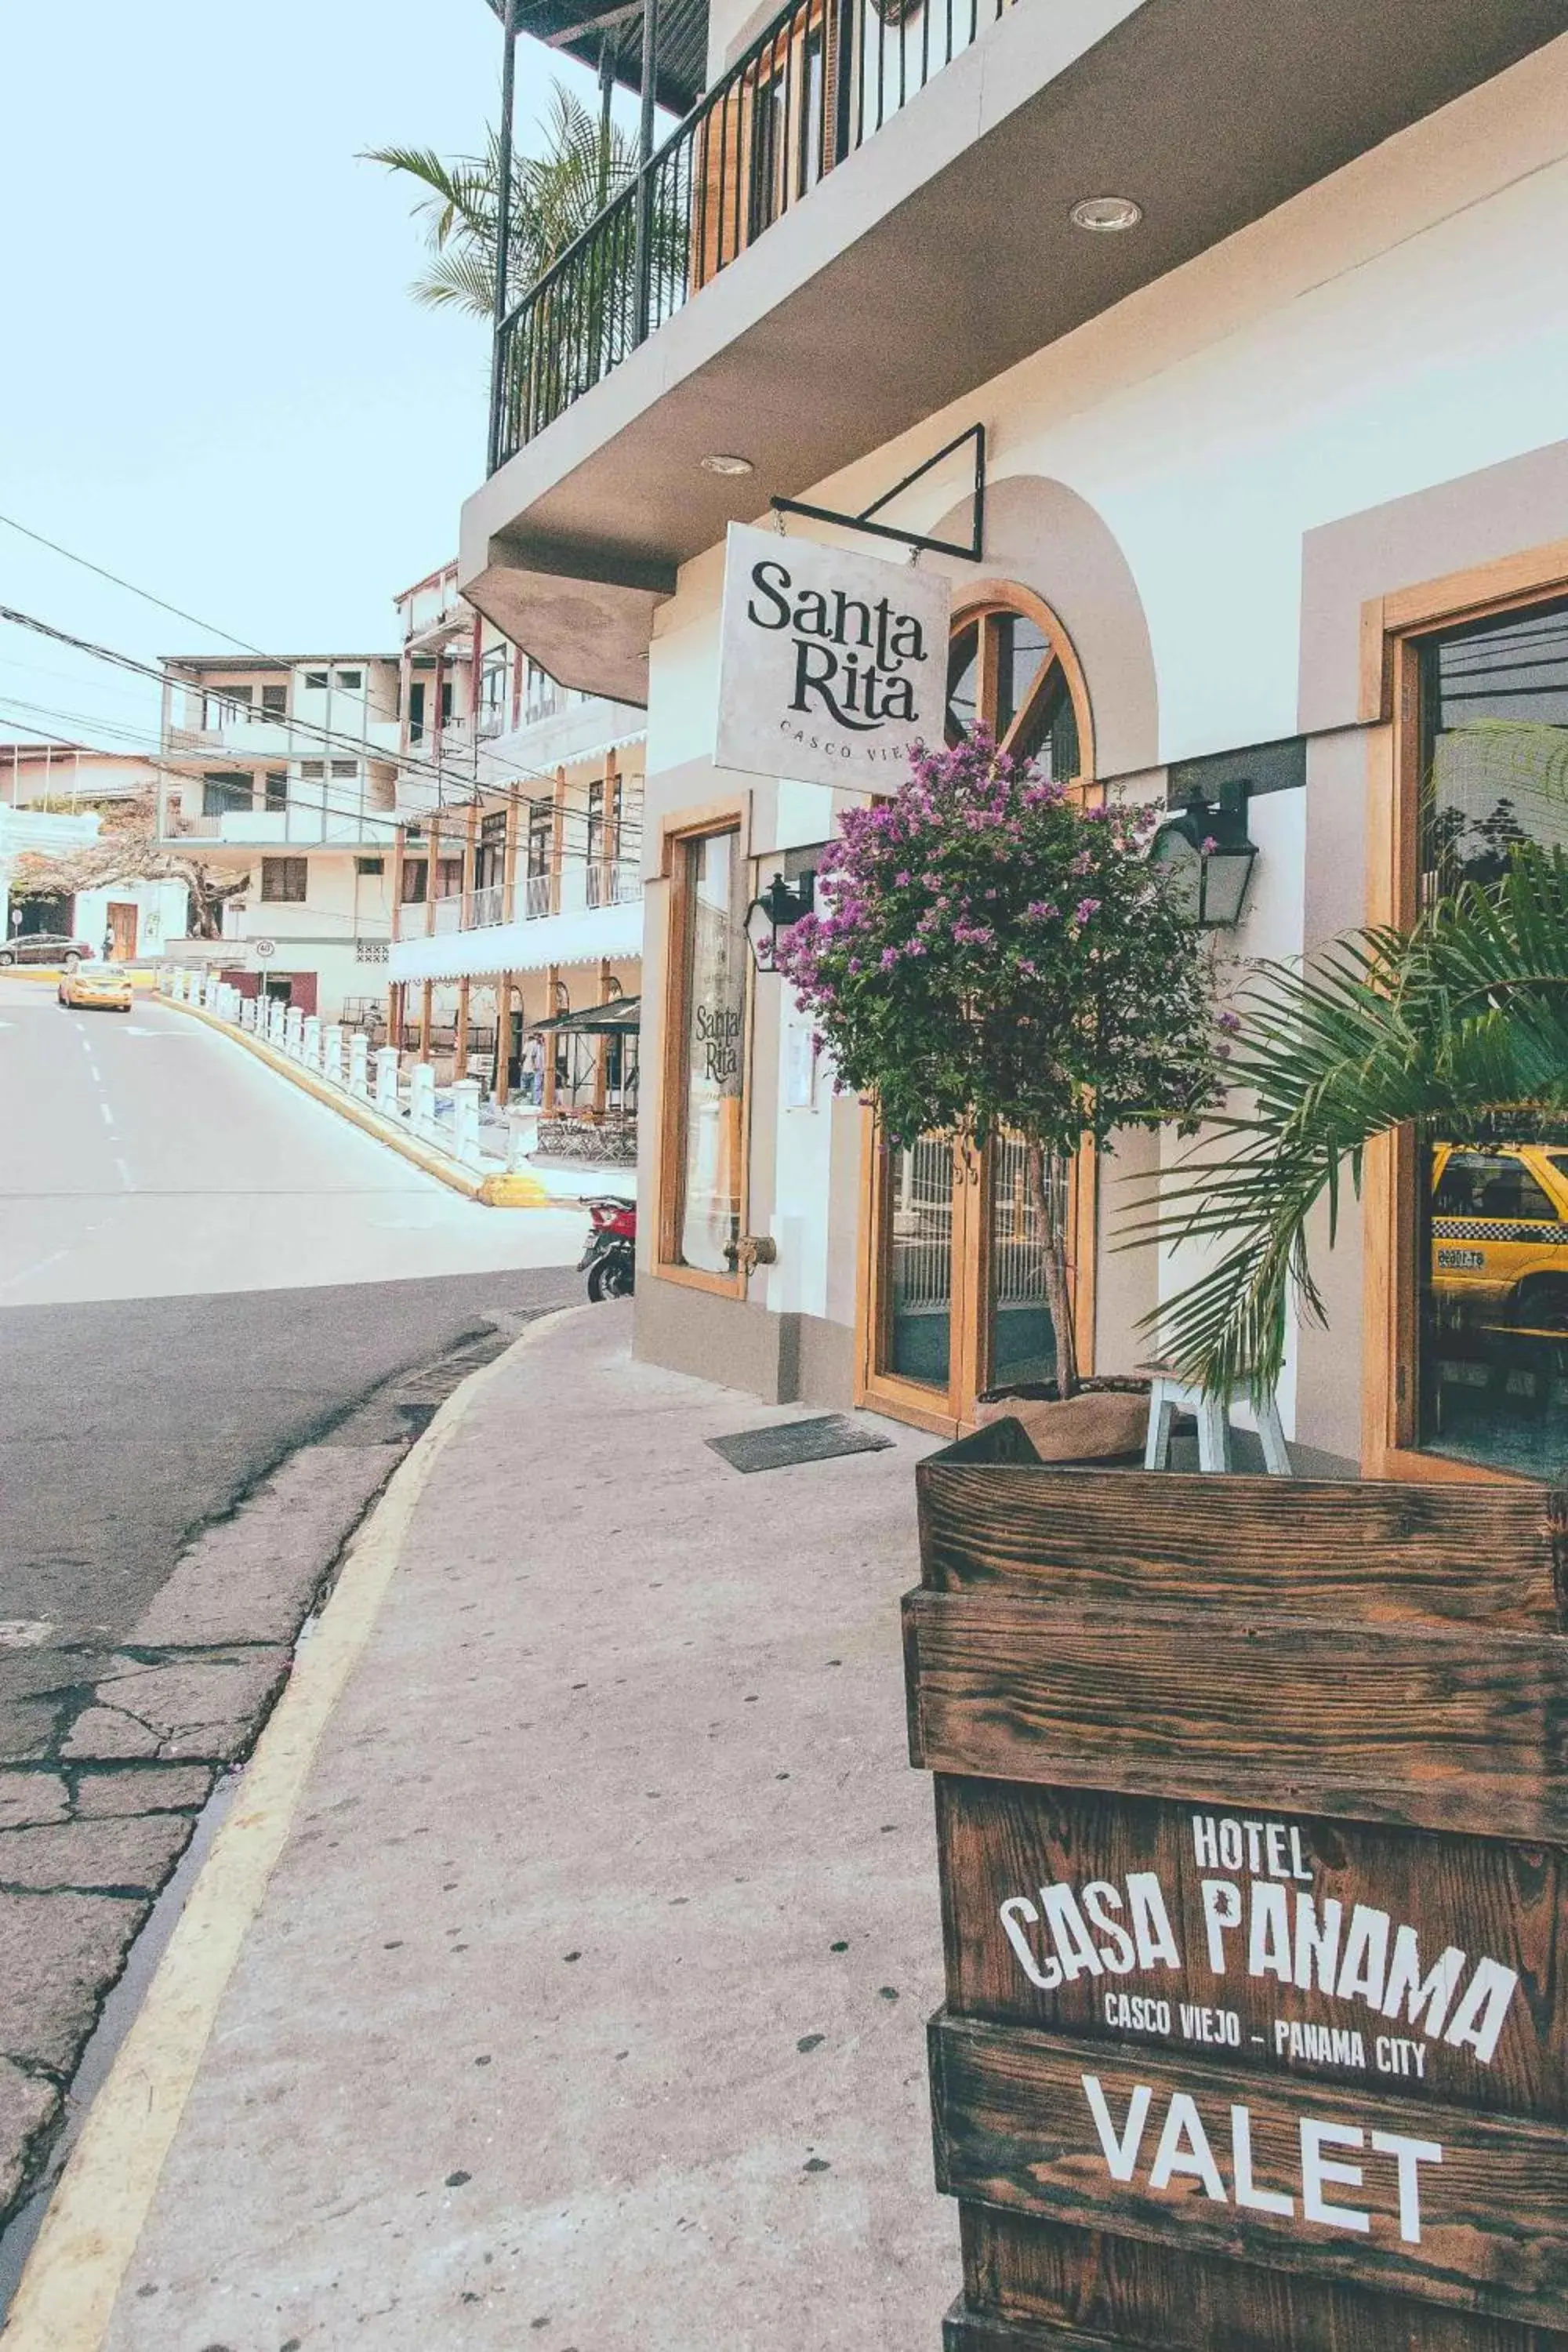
[{"x": 585, "y": 2003}]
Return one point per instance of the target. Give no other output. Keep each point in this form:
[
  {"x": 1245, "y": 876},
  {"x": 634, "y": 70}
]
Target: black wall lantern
[
  {"x": 1205, "y": 849},
  {"x": 779, "y": 906}
]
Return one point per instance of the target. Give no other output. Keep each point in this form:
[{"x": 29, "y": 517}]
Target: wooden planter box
[{"x": 1252, "y": 1808}]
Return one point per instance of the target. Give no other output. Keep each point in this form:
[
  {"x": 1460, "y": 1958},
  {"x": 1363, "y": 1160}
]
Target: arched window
[{"x": 1012, "y": 669}]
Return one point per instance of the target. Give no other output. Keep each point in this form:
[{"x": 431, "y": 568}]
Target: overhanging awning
[
  {"x": 616, "y": 1019},
  {"x": 579, "y": 27}
]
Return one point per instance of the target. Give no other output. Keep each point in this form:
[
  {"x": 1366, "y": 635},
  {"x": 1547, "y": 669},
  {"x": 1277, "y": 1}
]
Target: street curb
[
  {"x": 513, "y": 1190},
  {"x": 66, "y": 2299}
]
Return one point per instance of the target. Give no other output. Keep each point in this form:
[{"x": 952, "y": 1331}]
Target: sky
[{"x": 213, "y": 380}]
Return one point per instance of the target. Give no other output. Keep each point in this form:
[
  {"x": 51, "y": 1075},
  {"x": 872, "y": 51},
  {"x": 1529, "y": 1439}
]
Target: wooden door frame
[
  {"x": 973, "y": 1173},
  {"x": 729, "y": 817},
  {"x": 1393, "y": 628}
]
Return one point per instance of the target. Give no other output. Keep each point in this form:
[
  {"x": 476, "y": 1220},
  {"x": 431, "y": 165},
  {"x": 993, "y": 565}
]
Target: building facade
[
  {"x": 1276, "y": 496},
  {"x": 280, "y": 776},
  {"x": 517, "y": 881}
]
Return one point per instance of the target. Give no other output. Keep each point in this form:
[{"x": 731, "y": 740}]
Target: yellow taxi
[
  {"x": 1500, "y": 1233},
  {"x": 96, "y": 989}
]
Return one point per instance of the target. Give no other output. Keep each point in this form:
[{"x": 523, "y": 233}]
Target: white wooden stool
[{"x": 1168, "y": 1396}]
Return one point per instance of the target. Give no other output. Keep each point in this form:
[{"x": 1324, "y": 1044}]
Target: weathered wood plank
[
  {"x": 1294, "y": 1909},
  {"x": 1434, "y": 1728},
  {"x": 1033, "y": 2282},
  {"x": 1451, "y": 2208},
  {"x": 1385, "y": 1552}
]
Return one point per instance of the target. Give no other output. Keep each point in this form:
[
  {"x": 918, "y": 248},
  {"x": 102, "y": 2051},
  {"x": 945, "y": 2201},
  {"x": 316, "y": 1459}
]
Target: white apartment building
[
  {"x": 1263, "y": 314},
  {"x": 517, "y": 881},
  {"x": 283, "y": 774}
]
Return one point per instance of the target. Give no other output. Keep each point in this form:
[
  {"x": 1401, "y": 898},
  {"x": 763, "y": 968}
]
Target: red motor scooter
[{"x": 610, "y": 1258}]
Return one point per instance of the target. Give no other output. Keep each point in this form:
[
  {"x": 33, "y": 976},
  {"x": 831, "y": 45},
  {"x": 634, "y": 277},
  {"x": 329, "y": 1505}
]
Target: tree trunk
[{"x": 1058, "y": 1289}]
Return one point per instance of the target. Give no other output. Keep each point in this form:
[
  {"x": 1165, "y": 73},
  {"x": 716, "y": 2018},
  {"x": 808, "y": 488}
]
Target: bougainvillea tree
[{"x": 990, "y": 954}]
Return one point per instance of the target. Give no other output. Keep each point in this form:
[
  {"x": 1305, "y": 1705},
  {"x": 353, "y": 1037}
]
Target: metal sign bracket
[{"x": 914, "y": 539}]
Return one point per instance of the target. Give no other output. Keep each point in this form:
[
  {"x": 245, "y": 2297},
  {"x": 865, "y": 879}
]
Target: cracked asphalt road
[{"x": 194, "y": 1417}]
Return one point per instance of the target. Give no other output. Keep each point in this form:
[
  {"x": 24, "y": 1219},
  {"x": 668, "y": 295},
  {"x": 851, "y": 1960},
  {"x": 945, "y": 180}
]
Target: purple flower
[{"x": 1084, "y": 910}]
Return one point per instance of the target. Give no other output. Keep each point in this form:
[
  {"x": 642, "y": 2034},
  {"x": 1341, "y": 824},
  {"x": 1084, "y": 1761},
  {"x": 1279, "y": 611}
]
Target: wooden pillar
[
  {"x": 395, "y": 994},
  {"x": 601, "y": 1045},
  {"x": 557, "y": 842},
  {"x": 425, "y": 996},
  {"x": 470, "y": 847},
  {"x": 433, "y": 860},
  {"x": 399, "y": 844},
  {"x": 460, "y": 1043},
  {"x": 548, "y": 1101},
  {"x": 509, "y": 861},
  {"x": 610, "y": 840},
  {"x": 503, "y": 1040}
]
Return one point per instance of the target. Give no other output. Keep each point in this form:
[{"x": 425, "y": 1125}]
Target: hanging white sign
[{"x": 832, "y": 667}]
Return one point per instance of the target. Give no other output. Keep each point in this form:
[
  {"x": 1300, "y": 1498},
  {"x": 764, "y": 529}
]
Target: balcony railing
[
  {"x": 820, "y": 82},
  {"x": 613, "y": 885}
]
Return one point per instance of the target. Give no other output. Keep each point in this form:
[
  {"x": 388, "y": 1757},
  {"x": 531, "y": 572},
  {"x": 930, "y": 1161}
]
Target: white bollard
[
  {"x": 294, "y": 1031},
  {"x": 205, "y": 990},
  {"x": 466, "y": 1121},
  {"x": 359, "y": 1059},
  {"x": 183, "y": 985},
  {"x": 248, "y": 1012},
  {"x": 277, "y": 1020},
  {"x": 311, "y": 1043},
  {"x": 421, "y": 1099},
  {"x": 386, "y": 1080},
  {"x": 332, "y": 1055}
]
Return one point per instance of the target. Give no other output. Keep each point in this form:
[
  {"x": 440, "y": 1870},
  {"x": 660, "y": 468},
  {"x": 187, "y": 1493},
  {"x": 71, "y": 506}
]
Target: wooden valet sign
[{"x": 1252, "y": 1812}]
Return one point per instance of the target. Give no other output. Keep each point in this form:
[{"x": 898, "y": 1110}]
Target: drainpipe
[
  {"x": 503, "y": 230},
  {"x": 642, "y": 256}
]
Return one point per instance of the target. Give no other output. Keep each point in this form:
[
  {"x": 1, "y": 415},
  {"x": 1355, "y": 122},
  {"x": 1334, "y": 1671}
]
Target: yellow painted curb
[
  {"x": 512, "y": 1190},
  {"x": 68, "y": 2289}
]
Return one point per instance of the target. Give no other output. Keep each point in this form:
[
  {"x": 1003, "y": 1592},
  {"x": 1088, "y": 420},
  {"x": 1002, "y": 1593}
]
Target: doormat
[{"x": 820, "y": 1440}]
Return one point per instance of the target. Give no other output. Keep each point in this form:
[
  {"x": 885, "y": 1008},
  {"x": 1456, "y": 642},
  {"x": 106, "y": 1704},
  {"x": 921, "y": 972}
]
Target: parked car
[
  {"x": 45, "y": 947},
  {"x": 1500, "y": 1233},
  {"x": 106, "y": 990}
]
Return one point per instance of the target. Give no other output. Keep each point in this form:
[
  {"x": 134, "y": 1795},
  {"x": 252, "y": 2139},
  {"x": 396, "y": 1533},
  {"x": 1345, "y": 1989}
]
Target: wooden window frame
[
  {"x": 1393, "y": 629},
  {"x": 727, "y": 816},
  {"x": 913, "y": 1401}
]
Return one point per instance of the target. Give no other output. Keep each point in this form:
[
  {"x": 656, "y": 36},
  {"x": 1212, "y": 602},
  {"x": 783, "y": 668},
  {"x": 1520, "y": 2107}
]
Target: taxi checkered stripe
[{"x": 1493, "y": 1228}]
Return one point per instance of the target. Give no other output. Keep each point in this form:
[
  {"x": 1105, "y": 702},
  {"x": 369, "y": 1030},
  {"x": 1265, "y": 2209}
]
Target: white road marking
[
  {"x": 97, "y": 1073},
  {"x": 29, "y": 1271},
  {"x": 125, "y": 1175},
  {"x": 107, "y": 1115}
]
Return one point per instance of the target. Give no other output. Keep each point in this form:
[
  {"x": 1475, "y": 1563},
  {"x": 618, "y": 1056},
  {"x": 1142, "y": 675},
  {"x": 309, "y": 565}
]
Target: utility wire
[
  {"x": 518, "y": 767},
  {"x": 428, "y": 770}
]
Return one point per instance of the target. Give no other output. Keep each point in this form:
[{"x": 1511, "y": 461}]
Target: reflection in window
[
  {"x": 1022, "y": 1338},
  {"x": 713, "y": 947},
  {"x": 1493, "y": 1214},
  {"x": 963, "y": 683},
  {"x": 918, "y": 1218}
]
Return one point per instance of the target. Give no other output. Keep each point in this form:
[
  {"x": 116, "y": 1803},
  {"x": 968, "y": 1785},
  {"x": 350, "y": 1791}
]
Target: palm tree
[
  {"x": 1462, "y": 1017},
  {"x": 585, "y": 161}
]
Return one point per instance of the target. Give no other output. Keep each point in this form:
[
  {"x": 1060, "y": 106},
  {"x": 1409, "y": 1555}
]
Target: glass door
[{"x": 956, "y": 1301}]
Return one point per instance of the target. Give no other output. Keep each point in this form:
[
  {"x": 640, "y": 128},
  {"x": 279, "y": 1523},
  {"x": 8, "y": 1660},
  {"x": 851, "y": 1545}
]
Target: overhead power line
[
  {"x": 326, "y": 738},
  {"x": 517, "y": 767}
]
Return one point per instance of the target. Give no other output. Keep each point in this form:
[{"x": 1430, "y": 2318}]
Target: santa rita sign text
[
  {"x": 832, "y": 667},
  {"x": 1253, "y": 1829}
]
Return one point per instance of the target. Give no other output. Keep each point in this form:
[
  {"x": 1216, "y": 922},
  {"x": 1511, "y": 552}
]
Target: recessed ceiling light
[
  {"x": 1106, "y": 214},
  {"x": 722, "y": 465}
]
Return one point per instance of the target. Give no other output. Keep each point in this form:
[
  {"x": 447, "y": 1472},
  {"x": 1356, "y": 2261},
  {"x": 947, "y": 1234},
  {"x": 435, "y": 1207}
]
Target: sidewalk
[{"x": 585, "y": 2005}]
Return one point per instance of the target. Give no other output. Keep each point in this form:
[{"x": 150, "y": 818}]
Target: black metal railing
[{"x": 818, "y": 83}]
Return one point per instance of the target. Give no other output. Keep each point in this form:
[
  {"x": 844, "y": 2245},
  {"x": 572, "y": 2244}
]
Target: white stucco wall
[{"x": 1401, "y": 326}]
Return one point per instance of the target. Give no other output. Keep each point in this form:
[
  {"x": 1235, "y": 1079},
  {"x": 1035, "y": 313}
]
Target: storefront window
[
  {"x": 711, "y": 946},
  {"x": 1492, "y": 1208}
]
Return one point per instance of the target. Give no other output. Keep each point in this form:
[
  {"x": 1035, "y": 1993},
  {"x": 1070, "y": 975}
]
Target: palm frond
[{"x": 1468, "y": 1013}]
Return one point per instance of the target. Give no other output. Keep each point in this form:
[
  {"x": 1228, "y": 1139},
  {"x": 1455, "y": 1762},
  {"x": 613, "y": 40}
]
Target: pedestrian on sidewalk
[{"x": 533, "y": 1068}]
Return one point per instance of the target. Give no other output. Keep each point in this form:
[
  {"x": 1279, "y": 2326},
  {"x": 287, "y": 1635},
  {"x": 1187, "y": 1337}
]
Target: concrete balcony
[
  {"x": 899, "y": 268},
  {"x": 582, "y": 914},
  {"x": 293, "y": 827}
]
